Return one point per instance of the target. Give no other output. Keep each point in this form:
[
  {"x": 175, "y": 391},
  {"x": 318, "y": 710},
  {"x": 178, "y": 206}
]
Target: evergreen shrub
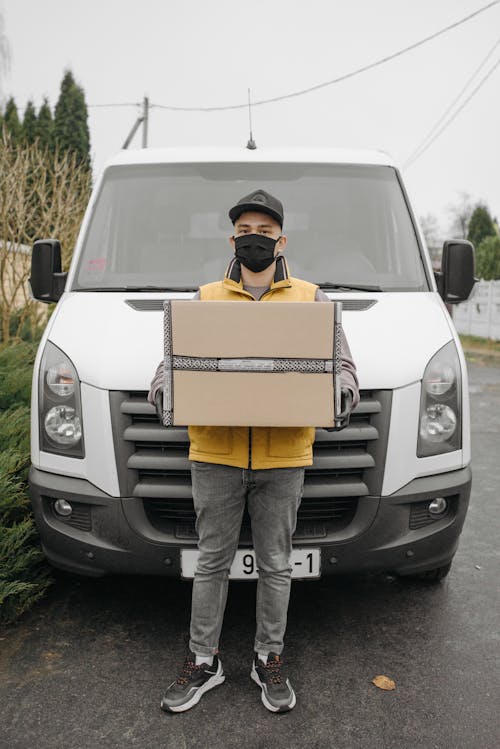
[{"x": 24, "y": 573}]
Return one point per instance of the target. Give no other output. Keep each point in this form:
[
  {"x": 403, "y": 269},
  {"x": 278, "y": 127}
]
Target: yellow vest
[{"x": 269, "y": 447}]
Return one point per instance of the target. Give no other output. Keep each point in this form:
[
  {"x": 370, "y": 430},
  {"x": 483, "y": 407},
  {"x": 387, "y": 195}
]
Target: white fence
[{"x": 480, "y": 314}]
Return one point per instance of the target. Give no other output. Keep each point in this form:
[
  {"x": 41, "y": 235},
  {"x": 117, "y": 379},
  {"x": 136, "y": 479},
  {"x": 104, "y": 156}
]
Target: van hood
[{"x": 115, "y": 339}]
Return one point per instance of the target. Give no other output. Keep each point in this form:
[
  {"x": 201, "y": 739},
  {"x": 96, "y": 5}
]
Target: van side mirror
[
  {"x": 456, "y": 280},
  {"x": 47, "y": 281}
]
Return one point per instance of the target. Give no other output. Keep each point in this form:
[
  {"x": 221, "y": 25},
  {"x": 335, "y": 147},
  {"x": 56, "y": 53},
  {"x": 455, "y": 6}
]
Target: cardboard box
[{"x": 244, "y": 364}]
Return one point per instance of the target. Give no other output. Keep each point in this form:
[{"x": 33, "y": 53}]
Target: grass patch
[{"x": 486, "y": 345}]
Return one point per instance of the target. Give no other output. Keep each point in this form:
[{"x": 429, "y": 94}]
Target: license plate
[{"x": 304, "y": 562}]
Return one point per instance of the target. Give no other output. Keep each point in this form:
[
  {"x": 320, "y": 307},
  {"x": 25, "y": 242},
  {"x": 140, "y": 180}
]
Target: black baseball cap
[{"x": 261, "y": 201}]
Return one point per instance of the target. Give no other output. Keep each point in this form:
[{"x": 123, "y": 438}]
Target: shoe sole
[
  {"x": 217, "y": 679},
  {"x": 273, "y": 708}
]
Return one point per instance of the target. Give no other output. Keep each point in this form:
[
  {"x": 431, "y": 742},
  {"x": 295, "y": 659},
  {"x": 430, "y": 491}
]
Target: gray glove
[
  {"x": 159, "y": 405},
  {"x": 345, "y": 410},
  {"x": 345, "y": 403}
]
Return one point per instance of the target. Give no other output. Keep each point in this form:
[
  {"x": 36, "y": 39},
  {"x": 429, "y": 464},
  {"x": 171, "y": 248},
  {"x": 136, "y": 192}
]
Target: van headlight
[
  {"x": 59, "y": 405},
  {"x": 440, "y": 429}
]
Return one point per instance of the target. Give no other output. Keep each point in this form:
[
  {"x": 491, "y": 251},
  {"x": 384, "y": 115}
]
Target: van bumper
[{"x": 111, "y": 535}]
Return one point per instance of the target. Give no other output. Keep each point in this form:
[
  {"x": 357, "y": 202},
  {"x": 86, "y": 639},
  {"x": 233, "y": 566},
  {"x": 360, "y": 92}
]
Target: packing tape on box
[
  {"x": 168, "y": 383},
  {"x": 337, "y": 358},
  {"x": 205, "y": 364}
]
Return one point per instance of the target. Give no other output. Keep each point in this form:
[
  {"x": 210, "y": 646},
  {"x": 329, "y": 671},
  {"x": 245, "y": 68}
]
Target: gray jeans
[{"x": 219, "y": 494}]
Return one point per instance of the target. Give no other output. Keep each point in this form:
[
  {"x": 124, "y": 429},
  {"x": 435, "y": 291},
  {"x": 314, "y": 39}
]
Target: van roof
[{"x": 190, "y": 155}]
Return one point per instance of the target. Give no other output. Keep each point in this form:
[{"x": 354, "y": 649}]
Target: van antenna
[{"x": 251, "y": 145}]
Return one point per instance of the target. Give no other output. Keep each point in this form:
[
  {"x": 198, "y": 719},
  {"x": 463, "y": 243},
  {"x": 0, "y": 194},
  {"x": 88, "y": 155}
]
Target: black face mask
[{"x": 255, "y": 251}]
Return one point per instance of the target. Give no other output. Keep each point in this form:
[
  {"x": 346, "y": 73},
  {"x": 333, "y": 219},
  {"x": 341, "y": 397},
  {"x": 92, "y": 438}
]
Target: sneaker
[
  {"x": 191, "y": 684},
  {"x": 277, "y": 693}
]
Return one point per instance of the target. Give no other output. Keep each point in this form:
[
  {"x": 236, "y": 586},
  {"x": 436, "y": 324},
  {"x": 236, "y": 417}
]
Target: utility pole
[{"x": 143, "y": 120}]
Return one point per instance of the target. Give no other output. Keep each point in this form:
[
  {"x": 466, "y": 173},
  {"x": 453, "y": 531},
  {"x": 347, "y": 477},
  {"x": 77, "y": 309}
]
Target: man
[{"x": 260, "y": 466}]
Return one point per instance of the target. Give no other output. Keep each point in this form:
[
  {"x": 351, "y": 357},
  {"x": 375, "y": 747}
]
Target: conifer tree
[
  {"x": 480, "y": 225},
  {"x": 488, "y": 258},
  {"x": 11, "y": 119},
  {"x": 70, "y": 121},
  {"x": 29, "y": 126},
  {"x": 45, "y": 126}
]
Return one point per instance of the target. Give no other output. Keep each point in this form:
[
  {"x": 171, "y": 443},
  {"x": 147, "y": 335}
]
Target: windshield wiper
[
  {"x": 140, "y": 288},
  {"x": 347, "y": 286}
]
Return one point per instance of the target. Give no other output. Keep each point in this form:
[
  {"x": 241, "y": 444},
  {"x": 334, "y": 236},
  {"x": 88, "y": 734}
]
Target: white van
[{"x": 110, "y": 486}]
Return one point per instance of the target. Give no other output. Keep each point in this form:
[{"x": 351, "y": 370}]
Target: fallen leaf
[
  {"x": 477, "y": 566},
  {"x": 383, "y": 682}
]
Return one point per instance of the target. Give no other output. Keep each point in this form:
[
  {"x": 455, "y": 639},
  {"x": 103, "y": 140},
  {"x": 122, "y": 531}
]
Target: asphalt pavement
[{"x": 87, "y": 666}]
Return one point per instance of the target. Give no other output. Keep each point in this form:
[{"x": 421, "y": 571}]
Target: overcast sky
[{"x": 199, "y": 53}]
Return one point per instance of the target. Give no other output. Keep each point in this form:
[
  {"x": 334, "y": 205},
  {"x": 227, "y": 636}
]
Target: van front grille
[
  {"x": 154, "y": 467},
  {"x": 173, "y": 515}
]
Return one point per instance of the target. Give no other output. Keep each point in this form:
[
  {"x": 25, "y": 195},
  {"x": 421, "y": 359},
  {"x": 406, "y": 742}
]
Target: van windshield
[{"x": 167, "y": 226}]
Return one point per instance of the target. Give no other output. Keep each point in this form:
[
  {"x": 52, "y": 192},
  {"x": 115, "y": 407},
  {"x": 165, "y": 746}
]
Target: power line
[
  {"x": 454, "y": 115},
  {"x": 318, "y": 86},
  {"x": 415, "y": 153},
  {"x": 124, "y": 104},
  {"x": 344, "y": 77}
]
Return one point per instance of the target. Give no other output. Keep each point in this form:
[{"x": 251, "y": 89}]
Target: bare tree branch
[{"x": 41, "y": 195}]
